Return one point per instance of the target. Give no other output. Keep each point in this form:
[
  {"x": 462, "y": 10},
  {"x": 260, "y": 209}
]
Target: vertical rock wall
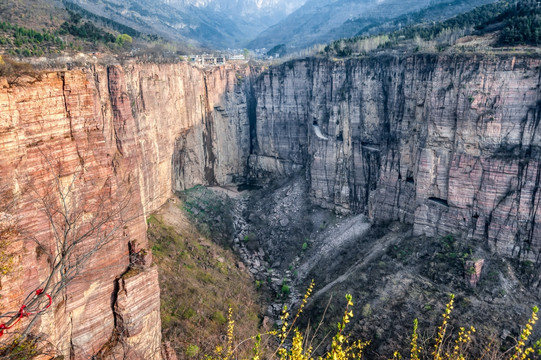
[
  {"x": 447, "y": 143},
  {"x": 105, "y": 138}
]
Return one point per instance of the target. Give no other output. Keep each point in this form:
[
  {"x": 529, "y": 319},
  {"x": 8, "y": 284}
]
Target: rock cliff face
[
  {"x": 88, "y": 153},
  {"x": 448, "y": 144}
]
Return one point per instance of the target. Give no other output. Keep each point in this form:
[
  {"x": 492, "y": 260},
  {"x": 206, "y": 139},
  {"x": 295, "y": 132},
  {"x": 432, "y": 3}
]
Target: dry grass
[
  {"x": 196, "y": 275},
  {"x": 34, "y": 14},
  {"x": 17, "y": 72}
]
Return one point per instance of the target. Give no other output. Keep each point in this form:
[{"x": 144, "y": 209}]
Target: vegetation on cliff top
[
  {"x": 511, "y": 23},
  {"x": 74, "y": 34},
  {"x": 38, "y": 28}
]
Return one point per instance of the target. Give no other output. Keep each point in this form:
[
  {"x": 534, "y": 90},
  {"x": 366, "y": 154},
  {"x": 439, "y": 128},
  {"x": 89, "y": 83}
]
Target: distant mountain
[
  {"x": 436, "y": 11},
  {"x": 212, "y": 23},
  {"x": 502, "y": 24},
  {"x": 273, "y": 24},
  {"x": 321, "y": 21},
  {"x": 34, "y": 14}
]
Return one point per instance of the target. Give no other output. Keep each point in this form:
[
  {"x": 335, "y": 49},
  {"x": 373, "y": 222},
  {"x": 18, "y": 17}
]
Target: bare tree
[{"x": 83, "y": 216}]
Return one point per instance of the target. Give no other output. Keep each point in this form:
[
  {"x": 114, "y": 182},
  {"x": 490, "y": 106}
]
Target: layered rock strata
[
  {"x": 447, "y": 143},
  {"x": 96, "y": 145}
]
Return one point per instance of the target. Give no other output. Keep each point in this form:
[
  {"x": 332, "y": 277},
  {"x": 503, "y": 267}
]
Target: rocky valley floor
[{"x": 274, "y": 242}]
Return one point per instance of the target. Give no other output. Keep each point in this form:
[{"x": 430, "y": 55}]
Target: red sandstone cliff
[{"x": 101, "y": 139}]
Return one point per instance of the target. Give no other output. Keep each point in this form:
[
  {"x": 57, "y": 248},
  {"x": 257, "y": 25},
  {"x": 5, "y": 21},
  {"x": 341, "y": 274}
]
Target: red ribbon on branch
[{"x": 23, "y": 312}]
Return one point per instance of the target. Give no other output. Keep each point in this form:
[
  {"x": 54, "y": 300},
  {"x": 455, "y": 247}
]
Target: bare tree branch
[{"x": 80, "y": 226}]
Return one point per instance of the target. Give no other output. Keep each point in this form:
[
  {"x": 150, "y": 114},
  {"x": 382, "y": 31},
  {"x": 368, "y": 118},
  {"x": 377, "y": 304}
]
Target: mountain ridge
[
  {"x": 213, "y": 24},
  {"x": 319, "y": 21}
]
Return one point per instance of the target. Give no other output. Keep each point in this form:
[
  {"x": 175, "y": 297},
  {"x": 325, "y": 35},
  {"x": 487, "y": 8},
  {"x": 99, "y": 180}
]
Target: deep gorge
[{"x": 446, "y": 144}]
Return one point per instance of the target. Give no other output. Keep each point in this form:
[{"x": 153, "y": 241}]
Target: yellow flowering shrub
[{"x": 342, "y": 347}]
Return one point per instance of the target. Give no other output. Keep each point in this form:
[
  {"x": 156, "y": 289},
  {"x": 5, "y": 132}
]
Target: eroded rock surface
[
  {"x": 106, "y": 137},
  {"x": 447, "y": 143}
]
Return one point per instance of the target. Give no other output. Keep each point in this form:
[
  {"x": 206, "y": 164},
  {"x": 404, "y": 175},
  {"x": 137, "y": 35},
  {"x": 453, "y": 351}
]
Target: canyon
[{"x": 446, "y": 144}]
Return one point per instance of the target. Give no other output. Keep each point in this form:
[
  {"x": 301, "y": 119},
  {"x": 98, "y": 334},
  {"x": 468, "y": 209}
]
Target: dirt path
[
  {"x": 377, "y": 248},
  {"x": 334, "y": 239}
]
